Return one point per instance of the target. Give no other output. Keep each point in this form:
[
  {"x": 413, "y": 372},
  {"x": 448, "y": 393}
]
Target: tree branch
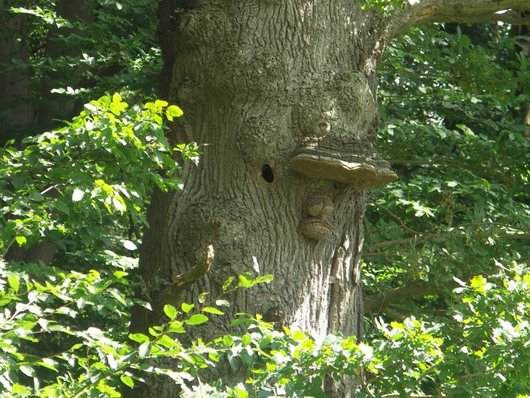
[
  {"x": 377, "y": 302},
  {"x": 459, "y": 11},
  {"x": 172, "y": 294},
  {"x": 516, "y": 233}
]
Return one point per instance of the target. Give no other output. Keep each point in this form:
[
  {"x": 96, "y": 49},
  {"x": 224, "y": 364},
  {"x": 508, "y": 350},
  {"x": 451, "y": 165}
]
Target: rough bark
[{"x": 256, "y": 79}]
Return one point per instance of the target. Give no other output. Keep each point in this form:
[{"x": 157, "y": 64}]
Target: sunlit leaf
[
  {"x": 77, "y": 195},
  {"x": 170, "y": 311},
  {"x": 212, "y": 310},
  {"x": 196, "y": 319},
  {"x": 186, "y": 308}
]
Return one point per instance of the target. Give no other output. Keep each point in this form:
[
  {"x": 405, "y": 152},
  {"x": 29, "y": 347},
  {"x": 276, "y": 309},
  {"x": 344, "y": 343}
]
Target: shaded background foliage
[
  {"x": 454, "y": 118},
  {"x": 452, "y": 108},
  {"x": 61, "y": 54},
  {"x": 454, "y": 124}
]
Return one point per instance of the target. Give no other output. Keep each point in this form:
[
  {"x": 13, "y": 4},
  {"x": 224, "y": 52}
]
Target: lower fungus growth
[
  {"x": 318, "y": 206},
  {"x": 315, "y": 228}
]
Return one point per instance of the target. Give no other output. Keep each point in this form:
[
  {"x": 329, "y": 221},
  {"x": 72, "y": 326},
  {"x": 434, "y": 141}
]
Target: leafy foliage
[
  {"x": 489, "y": 358},
  {"x": 452, "y": 105},
  {"x": 52, "y": 344},
  {"x": 74, "y": 51},
  {"x": 128, "y": 56},
  {"x": 93, "y": 173},
  {"x": 453, "y": 130},
  {"x": 403, "y": 359},
  {"x": 78, "y": 187}
]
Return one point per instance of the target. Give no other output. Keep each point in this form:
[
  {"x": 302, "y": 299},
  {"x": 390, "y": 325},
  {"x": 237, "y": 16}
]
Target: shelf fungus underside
[{"x": 359, "y": 172}]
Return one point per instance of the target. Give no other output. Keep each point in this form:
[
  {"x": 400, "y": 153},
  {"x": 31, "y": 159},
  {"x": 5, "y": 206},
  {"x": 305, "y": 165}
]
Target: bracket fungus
[
  {"x": 315, "y": 228},
  {"x": 342, "y": 166},
  {"x": 318, "y": 210},
  {"x": 318, "y": 206}
]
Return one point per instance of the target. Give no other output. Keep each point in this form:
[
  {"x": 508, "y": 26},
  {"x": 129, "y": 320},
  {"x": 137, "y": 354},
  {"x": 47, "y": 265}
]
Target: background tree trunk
[
  {"x": 15, "y": 89},
  {"x": 58, "y": 106},
  {"x": 255, "y": 79},
  {"x": 26, "y": 104}
]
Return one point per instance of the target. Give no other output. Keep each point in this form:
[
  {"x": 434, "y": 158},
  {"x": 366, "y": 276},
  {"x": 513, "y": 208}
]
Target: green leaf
[
  {"x": 108, "y": 390},
  {"x": 298, "y": 335},
  {"x": 228, "y": 340},
  {"x": 14, "y": 282},
  {"x": 139, "y": 337},
  {"x": 202, "y": 297},
  {"x": 20, "y": 389},
  {"x": 244, "y": 282},
  {"x": 480, "y": 284},
  {"x": 48, "y": 363},
  {"x": 173, "y": 111},
  {"x": 196, "y": 319},
  {"x": 27, "y": 370},
  {"x": 27, "y": 325},
  {"x": 154, "y": 331},
  {"x": 240, "y": 391},
  {"x": 238, "y": 322},
  {"x": 21, "y": 240},
  {"x": 170, "y": 311},
  {"x": 227, "y": 283},
  {"x": 129, "y": 245},
  {"x": 119, "y": 204},
  {"x": 246, "y": 339},
  {"x": 127, "y": 380},
  {"x": 186, "y": 308},
  {"x": 176, "y": 327},
  {"x": 143, "y": 350},
  {"x": 161, "y": 103},
  {"x": 36, "y": 197},
  {"x": 212, "y": 310},
  {"x": 168, "y": 342}
]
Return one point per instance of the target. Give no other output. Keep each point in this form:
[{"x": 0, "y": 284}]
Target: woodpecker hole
[{"x": 266, "y": 173}]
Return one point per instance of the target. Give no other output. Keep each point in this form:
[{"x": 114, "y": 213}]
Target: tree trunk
[
  {"x": 282, "y": 96},
  {"x": 53, "y": 106},
  {"x": 25, "y": 105},
  {"x": 15, "y": 90}
]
